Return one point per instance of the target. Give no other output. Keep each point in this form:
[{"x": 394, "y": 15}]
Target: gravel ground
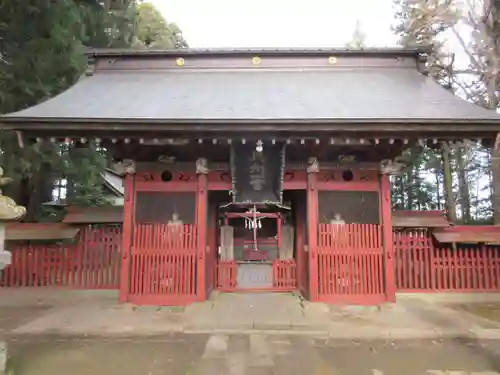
[{"x": 181, "y": 354}]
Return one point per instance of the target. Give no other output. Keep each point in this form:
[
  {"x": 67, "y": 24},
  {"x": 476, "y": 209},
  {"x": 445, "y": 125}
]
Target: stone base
[{"x": 3, "y": 357}]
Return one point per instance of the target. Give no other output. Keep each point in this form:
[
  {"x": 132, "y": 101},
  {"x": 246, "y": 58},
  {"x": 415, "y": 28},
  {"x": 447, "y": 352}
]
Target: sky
[{"x": 279, "y": 23}]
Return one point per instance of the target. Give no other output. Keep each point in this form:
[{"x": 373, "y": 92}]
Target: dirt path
[{"x": 251, "y": 354}]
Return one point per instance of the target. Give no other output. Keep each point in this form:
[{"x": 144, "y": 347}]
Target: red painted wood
[
  {"x": 351, "y": 264},
  {"x": 292, "y": 180},
  {"x": 386, "y": 220},
  {"x": 201, "y": 224},
  {"x": 312, "y": 231},
  {"x": 348, "y": 186},
  {"x": 363, "y": 180},
  {"x": 151, "y": 181},
  {"x": 226, "y": 275},
  {"x": 128, "y": 217},
  {"x": 164, "y": 264},
  {"x": 172, "y": 186},
  {"x": 422, "y": 268},
  {"x": 233, "y": 215},
  {"x": 212, "y": 251},
  {"x": 300, "y": 250},
  {"x": 219, "y": 180},
  {"x": 163, "y": 278},
  {"x": 284, "y": 275},
  {"x": 92, "y": 262},
  {"x": 249, "y": 255}
]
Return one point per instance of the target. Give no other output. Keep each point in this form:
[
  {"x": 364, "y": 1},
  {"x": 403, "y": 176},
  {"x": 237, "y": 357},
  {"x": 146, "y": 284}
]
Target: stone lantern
[{"x": 9, "y": 211}]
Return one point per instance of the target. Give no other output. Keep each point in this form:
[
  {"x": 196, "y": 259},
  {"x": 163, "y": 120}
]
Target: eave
[
  {"x": 419, "y": 219},
  {"x": 434, "y": 127},
  {"x": 39, "y": 231},
  {"x": 468, "y": 234}
]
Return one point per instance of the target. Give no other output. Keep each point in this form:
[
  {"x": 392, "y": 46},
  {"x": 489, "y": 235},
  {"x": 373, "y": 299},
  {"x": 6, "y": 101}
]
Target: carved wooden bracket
[
  {"x": 126, "y": 166},
  {"x": 165, "y": 159},
  {"x": 392, "y": 167},
  {"x": 313, "y": 165},
  {"x": 202, "y": 166}
]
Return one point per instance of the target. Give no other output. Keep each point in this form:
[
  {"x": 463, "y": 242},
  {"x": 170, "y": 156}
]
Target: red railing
[
  {"x": 265, "y": 246},
  {"x": 284, "y": 274},
  {"x": 92, "y": 262},
  {"x": 227, "y": 271},
  {"x": 163, "y": 237},
  {"x": 420, "y": 267},
  {"x": 163, "y": 274},
  {"x": 163, "y": 264},
  {"x": 350, "y": 263}
]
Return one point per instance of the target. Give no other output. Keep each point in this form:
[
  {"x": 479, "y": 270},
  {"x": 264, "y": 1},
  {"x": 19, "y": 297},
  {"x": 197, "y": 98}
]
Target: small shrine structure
[{"x": 257, "y": 169}]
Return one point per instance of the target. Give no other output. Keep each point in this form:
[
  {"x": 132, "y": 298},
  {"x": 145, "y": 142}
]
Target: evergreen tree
[
  {"x": 358, "y": 40},
  {"x": 41, "y": 54}
]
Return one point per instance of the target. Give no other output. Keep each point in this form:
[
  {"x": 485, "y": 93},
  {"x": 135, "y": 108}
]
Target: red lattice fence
[
  {"x": 226, "y": 275},
  {"x": 91, "y": 262},
  {"x": 420, "y": 267},
  {"x": 284, "y": 274},
  {"x": 351, "y": 263},
  {"x": 163, "y": 264}
]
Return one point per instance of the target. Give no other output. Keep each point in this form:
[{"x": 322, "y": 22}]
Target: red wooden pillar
[
  {"x": 201, "y": 225},
  {"x": 299, "y": 247},
  {"x": 128, "y": 219},
  {"x": 387, "y": 236},
  {"x": 312, "y": 227},
  {"x": 279, "y": 222},
  {"x": 211, "y": 254}
]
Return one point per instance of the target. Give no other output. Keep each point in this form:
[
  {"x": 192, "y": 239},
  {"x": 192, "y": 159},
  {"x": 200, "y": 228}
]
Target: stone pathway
[
  {"x": 264, "y": 311},
  {"x": 91, "y": 314},
  {"x": 254, "y": 354}
]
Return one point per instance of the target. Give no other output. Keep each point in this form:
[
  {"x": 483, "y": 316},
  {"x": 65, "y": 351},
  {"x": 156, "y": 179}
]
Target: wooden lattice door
[
  {"x": 163, "y": 253},
  {"x": 351, "y": 264}
]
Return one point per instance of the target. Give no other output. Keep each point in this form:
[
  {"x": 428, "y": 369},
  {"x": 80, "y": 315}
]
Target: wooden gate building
[{"x": 256, "y": 169}]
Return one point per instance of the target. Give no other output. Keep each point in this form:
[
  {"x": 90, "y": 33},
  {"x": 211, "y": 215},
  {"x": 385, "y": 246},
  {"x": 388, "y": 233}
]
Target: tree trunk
[
  {"x": 495, "y": 186},
  {"x": 409, "y": 188},
  {"x": 438, "y": 189},
  {"x": 489, "y": 31},
  {"x": 451, "y": 212},
  {"x": 402, "y": 192},
  {"x": 416, "y": 176},
  {"x": 463, "y": 186},
  {"x": 37, "y": 188}
]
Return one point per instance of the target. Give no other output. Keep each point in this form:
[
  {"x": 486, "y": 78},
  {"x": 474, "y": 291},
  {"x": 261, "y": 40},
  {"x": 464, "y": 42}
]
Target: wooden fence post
[
  {"x": 312, "y": 227},
  {"x": 201, "y": 224},
  {"x": 128, "y": 218},
  {"x": 387, "y": 235}
]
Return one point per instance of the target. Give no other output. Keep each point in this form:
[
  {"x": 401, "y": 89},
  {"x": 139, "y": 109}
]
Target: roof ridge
[{"x": 231, "y": 52}]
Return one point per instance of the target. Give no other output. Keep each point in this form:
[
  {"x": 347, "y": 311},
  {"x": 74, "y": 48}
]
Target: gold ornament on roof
[
  {"x": 332, "y": 60},
  {"x": 256, "y": 60},
  {"x": 180, "y": 61}
]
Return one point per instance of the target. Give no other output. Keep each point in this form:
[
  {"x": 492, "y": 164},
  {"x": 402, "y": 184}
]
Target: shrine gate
[{"x": 256, "y": 170}]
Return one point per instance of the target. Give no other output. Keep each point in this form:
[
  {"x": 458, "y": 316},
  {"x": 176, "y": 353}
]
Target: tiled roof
[
  {"x": 347, "y": 92},
  {"x": 354, "y": 94}
]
